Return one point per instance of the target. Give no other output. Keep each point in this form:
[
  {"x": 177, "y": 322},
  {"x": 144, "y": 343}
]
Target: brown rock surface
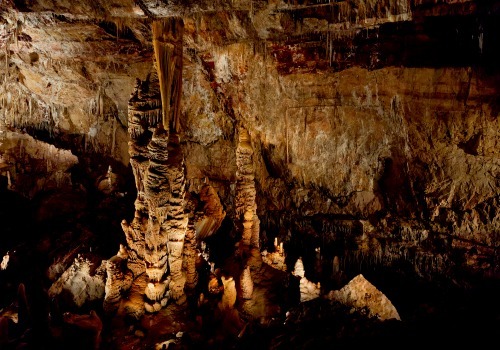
[
  {"x": 369, "y": 129},
  {"x": 359, "y": 293}
]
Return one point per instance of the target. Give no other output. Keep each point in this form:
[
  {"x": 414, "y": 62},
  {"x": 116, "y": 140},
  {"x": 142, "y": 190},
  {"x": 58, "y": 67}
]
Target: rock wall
[{"x": 374, "y": 125}]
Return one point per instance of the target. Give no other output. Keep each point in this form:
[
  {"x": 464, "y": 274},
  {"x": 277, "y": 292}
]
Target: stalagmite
[
  {"x": 190, "y": 256},
  {"x": 246, "y": 207},
  {"x": 229, "y": 295},
  {"x": 309, "y": 290},
  {"x": 118, "y": 281},
  {"x": 299, "y": 268},
  {"x": 155, "y": 237},
  {"x": 275, "y": 259},
  {"x": 246, "y": 284},
  {"x": 177, "y": 219},
  {"x": 5, "y": 261},
  {"x": 80, "y": 282}
]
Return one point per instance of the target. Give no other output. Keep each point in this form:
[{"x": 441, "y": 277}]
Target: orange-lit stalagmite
[
  {"x": 155, "y": 237},
  {"x": 246, "y": 206}
]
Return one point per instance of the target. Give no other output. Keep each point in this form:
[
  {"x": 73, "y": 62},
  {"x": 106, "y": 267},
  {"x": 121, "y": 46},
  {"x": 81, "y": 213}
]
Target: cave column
[
  {"x": 155, "y": 237},
  {"x": 246, "y": 206},
  {"x": 167, "y": 43}
]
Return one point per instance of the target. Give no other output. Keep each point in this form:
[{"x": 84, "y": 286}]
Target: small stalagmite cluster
[{"x": 276, "y": 258}]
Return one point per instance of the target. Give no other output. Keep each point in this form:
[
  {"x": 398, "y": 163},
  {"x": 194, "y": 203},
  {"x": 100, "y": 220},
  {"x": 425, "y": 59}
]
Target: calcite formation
[
  {"x": 5, "y": 261},
  {"x": 276, "y": 258},
  {"x": 360, "y": 293},
  {"x": 298, "y": 269},
  {"x": 246, "y": 283},
  {"x": 82, "y": 281},
  {"x": 246, "y": 205},
  {"x": 345, "y": 145},
  {"x": 229, "y": 294},
  {"x": 309, "y": 290},
  {"x": 23, "y": 157},
  {"x": 156, "y": 235},
  {"x": 190, "y": 257},
  {"x": 363, "y": 134},
  {"x": 118, "y": 281},
  {"x": 209, "y": 219}
]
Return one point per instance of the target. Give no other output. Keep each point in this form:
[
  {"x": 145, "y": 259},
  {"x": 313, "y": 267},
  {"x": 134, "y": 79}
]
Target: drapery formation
[{"x": 167, "y": 42}]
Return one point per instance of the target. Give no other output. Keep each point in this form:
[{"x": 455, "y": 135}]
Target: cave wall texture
[{"x": 374, "y": 124}]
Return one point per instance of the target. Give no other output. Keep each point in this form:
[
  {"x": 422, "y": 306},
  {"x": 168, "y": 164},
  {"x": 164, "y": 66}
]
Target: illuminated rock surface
[
  {"x": 363, "y": 136},
  {"x": 359, "y": 293}
]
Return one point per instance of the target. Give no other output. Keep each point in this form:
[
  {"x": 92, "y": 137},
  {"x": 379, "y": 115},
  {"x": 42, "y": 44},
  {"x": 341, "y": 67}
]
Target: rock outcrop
[
  {"x": 359, "y": 294},
  {"x": 83, "y": 281}
]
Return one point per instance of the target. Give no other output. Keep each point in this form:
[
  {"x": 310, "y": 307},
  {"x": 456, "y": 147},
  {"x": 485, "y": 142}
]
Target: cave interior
[{"x": 279, "y": 174}]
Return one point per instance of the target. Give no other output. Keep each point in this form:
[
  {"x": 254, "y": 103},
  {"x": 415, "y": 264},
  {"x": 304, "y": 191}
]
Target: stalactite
[
  {"x": 167, "y": 43},
  {"x": 113, "y": 139}
]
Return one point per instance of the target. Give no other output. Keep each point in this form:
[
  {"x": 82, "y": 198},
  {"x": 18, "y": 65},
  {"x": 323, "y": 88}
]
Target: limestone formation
[
  {"x": 5, "y": 261},
  {"x": 367, "y": 128},
  {"x": 168, "y": 46},
  {"x": 298, "y": 269},
  {"x": 360, "y": 293},
  {"x": 118, "y": 281},
  {"x": 276, "y": 258},
  {"x": 229, "y": 295},
  {"x": 82, "y": 281},
  {"x": 246, "y": 207},
  {"x": 210, "y": 217},
  {"x": 109, "y": 183},
  {"x": 246, "y": 283},
  {"x": 190, "y": 257},
  {"x": 309, "y": 290},
  {"x": 156, "y": 235},
  {"x": 133, "y": 305},
  {"x": 25, "y": 157}
]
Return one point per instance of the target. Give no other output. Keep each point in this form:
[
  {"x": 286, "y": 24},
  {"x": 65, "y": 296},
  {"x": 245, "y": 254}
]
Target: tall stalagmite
[
  {"x": 246, "y": 206},
  {"x": 156, "y": 235}
]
